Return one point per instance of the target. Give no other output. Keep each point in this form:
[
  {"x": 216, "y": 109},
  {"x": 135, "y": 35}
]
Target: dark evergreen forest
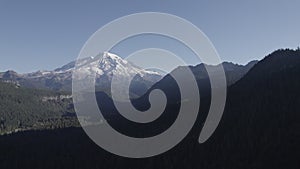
[{"x": 260, "y": 127}]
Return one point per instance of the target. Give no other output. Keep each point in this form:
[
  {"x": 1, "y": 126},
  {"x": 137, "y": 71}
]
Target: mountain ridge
[{"x": 60, "y": 79}]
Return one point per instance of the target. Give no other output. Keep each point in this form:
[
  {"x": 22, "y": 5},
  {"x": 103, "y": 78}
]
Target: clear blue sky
[{"x": 47, "y": 34}]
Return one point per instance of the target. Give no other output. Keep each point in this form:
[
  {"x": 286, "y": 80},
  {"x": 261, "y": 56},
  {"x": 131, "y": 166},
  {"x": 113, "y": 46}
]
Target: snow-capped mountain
[
  {"x": 105, "y": 65},
  {"x": 108, "y": 64}
]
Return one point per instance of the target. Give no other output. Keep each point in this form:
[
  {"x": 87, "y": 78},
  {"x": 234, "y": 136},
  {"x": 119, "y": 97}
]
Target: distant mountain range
[{"x": 60, "y": 79}]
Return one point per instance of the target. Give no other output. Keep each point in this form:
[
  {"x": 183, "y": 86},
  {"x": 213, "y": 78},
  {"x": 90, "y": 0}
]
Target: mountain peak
[
  {"x": 110, "y": 60},
  {"x": 108, "y": 55},
  {"x": 10, "y": 74}
]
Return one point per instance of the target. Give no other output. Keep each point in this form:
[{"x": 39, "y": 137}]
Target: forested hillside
[{"x": 24, "y": 109}]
